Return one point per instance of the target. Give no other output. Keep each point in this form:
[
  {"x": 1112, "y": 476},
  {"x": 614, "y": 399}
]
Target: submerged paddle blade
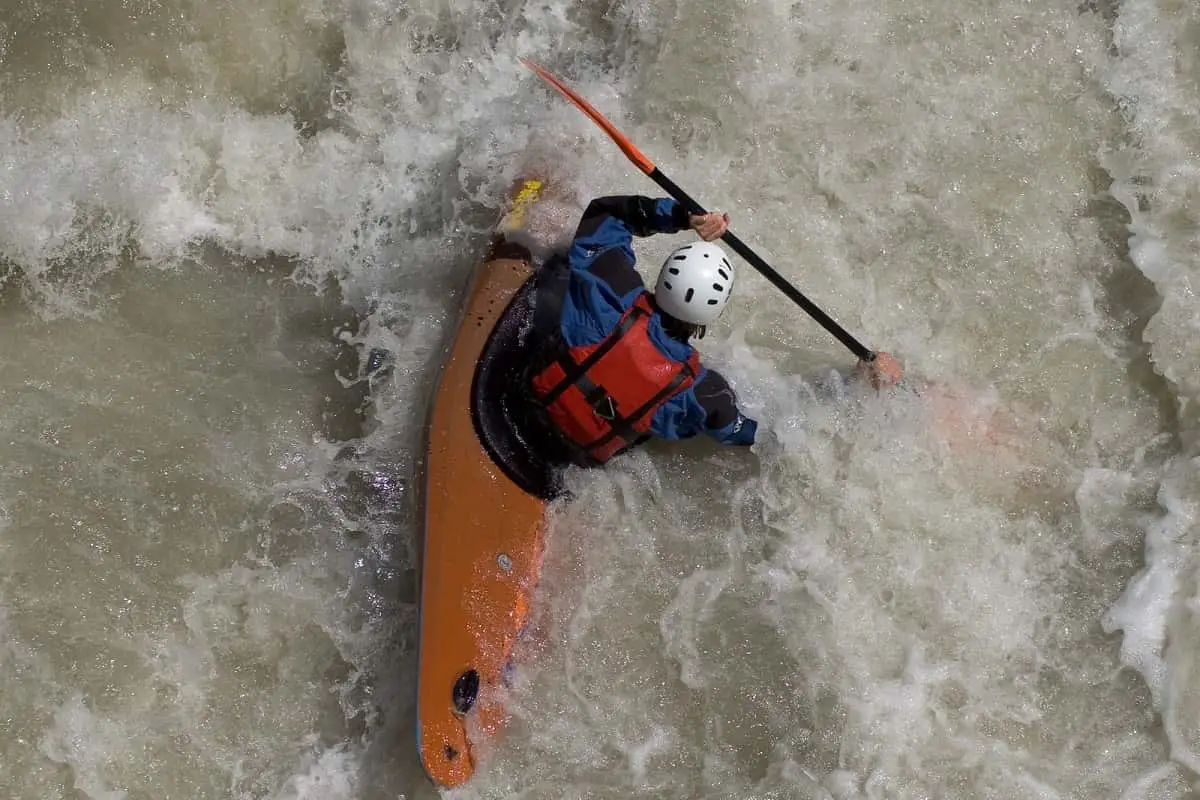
[{"x": 627, "y": 147}]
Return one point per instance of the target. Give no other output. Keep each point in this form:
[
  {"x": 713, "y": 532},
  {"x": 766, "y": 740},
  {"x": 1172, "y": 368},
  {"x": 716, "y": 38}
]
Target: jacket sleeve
[
  {"x": 724, "y": 421},
  {"x": 636, "y": 215},
  {"x": 603, "y": 243}
]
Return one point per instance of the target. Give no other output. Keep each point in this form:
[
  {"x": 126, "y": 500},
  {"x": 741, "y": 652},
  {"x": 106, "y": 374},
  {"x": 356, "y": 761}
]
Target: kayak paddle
[{"x": 647, "y": 166}]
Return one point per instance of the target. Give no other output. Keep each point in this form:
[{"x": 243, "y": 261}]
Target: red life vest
[{"x": 601, "y": 397}]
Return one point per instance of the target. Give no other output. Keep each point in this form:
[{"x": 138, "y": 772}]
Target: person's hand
[
  {"x": 710, "y": 226},
  {"x": 883, "y": 371}
]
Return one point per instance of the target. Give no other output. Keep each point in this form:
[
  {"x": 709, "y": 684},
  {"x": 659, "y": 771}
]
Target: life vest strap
[
  {"x": 622, "y": 426},
  {"x": 578, "y": 371},
  {"x": 592, "y": 394}
]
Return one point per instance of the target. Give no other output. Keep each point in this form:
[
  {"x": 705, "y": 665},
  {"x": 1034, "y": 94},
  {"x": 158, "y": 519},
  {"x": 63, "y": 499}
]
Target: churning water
[{"x": 210, "y": 211}]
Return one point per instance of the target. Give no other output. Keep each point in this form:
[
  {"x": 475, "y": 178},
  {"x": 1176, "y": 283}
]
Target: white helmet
[{"x": 695, "y": 283}]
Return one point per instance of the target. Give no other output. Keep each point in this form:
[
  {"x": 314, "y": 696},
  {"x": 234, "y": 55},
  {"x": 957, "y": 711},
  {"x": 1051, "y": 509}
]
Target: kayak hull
[{"x": 482, "y": 543}]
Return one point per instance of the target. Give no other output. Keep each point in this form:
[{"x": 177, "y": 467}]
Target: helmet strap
[{"x": 677, "y": 328}]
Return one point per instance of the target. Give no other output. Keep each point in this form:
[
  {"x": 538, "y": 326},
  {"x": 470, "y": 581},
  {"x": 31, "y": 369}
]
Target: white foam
[
  {"x": 328, "y": 775},
  {"x": 87, "y": 743},
  {"x": 1155, "y": 177},
  {"x": 865, "y": 605}
]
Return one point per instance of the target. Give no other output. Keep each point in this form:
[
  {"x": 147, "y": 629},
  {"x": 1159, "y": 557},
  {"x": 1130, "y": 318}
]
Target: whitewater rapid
[{"x": 210, "y": 213}]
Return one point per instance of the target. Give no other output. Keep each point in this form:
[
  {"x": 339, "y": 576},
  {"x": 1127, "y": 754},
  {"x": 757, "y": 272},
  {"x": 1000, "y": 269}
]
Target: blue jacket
[{"x": 603, "y": 284}]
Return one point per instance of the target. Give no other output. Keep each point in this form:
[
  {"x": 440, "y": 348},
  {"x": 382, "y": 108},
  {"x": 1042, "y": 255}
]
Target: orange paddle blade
[{"x": 627, "y": 147}]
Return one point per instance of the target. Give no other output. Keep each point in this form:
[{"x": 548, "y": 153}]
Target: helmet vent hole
[
  {"x": 673, "y": 270},
  {"x": 708, "y": 255},
  {"x": 687, "y": 298},
  {"x": 718, "y": 287},
  {"x": 667, "y": 285},
  {"x": 679, "y": 258},
  {"x": 723, "y": 274},
  {"x": 712, "y": 302},
  {"x": 725, "y": 261}
]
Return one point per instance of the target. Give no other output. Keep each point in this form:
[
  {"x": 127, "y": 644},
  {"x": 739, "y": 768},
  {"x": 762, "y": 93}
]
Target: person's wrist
[{"x": 681, "y": 217}]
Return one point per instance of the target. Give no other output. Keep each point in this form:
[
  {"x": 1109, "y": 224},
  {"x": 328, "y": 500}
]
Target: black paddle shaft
[{"x": 768, "y": 272}]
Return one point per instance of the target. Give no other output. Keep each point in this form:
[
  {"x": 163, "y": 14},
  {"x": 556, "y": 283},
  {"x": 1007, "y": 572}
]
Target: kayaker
[{"x": 617, "y": 368}]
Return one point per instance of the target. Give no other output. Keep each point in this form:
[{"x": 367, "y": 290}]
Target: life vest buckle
[{"x": 605, "y": 408}]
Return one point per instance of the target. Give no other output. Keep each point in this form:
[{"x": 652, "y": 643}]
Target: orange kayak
[{"x": 485, "y": 498}]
